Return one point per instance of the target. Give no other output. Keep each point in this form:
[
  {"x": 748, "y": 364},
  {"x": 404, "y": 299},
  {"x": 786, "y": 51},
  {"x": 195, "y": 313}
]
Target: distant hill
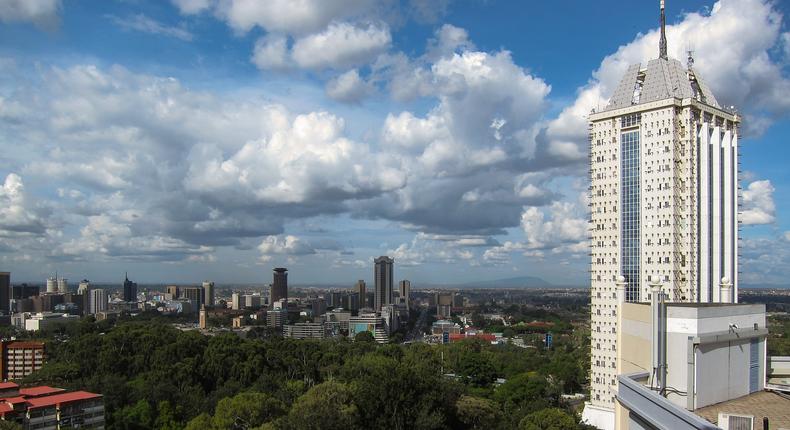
[{"x": 518, "y": 282}]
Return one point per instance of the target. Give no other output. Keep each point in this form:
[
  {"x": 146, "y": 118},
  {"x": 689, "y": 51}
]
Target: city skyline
[{"x": 187, "y": 141}]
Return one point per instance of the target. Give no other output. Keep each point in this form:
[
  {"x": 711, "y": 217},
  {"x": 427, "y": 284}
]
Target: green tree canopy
[{"x": 328, "y": 406}]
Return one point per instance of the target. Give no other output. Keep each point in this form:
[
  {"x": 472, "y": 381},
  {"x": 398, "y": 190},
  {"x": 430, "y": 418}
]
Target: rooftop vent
[{"x": 735, "y": 421}]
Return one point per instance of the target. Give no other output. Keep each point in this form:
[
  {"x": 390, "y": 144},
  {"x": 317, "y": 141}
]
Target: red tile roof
[
  {"x": 18, "y": 399},
  {"x": 8, "y": 385},
  {"x": 5, "y": 408},
  {"x": 58, "y": 399},
  {"x": 39, "y": 391},
  {"x": 26, "y": 345}
]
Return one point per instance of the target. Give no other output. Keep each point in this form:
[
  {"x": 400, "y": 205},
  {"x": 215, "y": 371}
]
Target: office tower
[
  {"x": 84, "y": 287},
  {"x": 236, "y": 301},
  {"x": 208, "y": 293},
  {"x": 97, "y": 301},
  {"x": 663, "y": 199},
  {"x": 335, "y": 299},
  {"x": 52, "y": 285},
  {"x": 173, "y": 291},
  {"x": 382, "y": 274},
  {"x": 359, "y": 288},
  {"x": 404, "y": 289},
  {"x": 24, "y": 291},
  {"x": 129, "y": 290},
  {"x": 5, "y": 292},
  {"x": 279, "y": 288},
  {"x": 444, "y": 305},
  {"x": 194, "y": 295},
  {"x": 63, "y": 285},
  {"x": 252, "y": 301}
]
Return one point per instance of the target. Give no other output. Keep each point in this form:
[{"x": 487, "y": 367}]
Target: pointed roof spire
[{"x": 662, "y": 44}]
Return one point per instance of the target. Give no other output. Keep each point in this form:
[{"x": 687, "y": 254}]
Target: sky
[{"x": 186, "y": 140}]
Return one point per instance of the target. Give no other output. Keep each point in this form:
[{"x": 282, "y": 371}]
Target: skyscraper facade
[
  {"x": 360, "y": 288},
  {"x": 63, "y": 285},
  {"x": 279, "y": 288},
  {"x": 97, "y": 301},
  {"x": 404, "y": 290},
  {"x": 208, "y": 293},
  {"x": 383, "y": 276},
  {"x": 83, "y": 287},
  {"x": 129, "y": 290},
  {"x": 5, "y": 292},
  {"x": 52, "y": 285},
  {"x": 663, "y": 199}
]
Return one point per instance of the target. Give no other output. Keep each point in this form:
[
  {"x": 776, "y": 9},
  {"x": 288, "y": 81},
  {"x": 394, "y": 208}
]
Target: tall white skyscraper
[
  {"x": 663, "y": 200},
  {"x": 98, "y": 301},
  {"x": 52, "y": 285}
]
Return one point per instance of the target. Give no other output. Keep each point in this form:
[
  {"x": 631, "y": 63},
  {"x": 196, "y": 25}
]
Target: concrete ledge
[{"x": 647, "y": 406}]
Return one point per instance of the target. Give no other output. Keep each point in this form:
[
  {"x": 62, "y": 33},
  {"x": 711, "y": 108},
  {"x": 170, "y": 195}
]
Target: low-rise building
[
  {"x": 371, "y": 323},
  {"x": 40, "y": 320},
  {"x": 304, "y": 331},
  {"x": 50, "y": 408}
]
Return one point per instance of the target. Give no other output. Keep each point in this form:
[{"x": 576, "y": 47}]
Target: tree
[
  {"x": 478, "y": 413},
  {"x": 329, "y": 406},
  {"x": 476, "y": 367},
  {"x": 200, "y": 422},
  {"x": 9, "y": 425},
  {"x": 137, "y": 416},
  {"x": 364, "y": 336},
  {"x": 548, "y": 419},
  {"x": 251, "y": 409}
]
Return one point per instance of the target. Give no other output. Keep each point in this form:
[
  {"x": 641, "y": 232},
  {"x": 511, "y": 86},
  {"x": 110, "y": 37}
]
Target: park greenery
[{"x": 154, "y": 375}]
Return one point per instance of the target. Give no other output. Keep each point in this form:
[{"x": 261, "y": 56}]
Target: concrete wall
[
  {"x": 721, "y": 368},
  {"x": 634, "y": 339}
]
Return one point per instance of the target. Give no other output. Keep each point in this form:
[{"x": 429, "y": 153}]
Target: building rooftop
[
  {"x": 8, "y": 385},
  {"x": 58, "y": 399},
  {"x": 39, "y": 391},
  {"x": 26, "y": 345},
  {"x": 660, "y": 79},
  {"x": 760, "y": 404}
]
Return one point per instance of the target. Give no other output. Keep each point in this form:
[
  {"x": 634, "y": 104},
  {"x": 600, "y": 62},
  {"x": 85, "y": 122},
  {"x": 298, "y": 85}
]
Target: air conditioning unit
[{"x": 736, "y": 421}]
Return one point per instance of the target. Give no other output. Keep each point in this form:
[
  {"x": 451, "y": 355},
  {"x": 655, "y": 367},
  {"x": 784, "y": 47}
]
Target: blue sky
[{"x": 203, "y": 139}]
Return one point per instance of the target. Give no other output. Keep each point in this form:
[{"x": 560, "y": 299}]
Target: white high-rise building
[
  {"x": 63, "y": 285},
  {"x": 84, "y": 287},
  {"x": 98, "y": 301},
  {"x": 663, "y": 201},
  {"x": 52, "y": 285}
]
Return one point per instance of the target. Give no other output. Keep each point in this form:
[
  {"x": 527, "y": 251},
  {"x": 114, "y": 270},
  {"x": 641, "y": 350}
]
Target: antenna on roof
[{"x": 662, "y": 44}]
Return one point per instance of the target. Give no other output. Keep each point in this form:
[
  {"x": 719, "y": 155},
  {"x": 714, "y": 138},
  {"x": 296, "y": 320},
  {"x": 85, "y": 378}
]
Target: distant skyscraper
[
  {"x": 404, "y": 289},
  {"x": 359, "y": 288},
  {"x": 98, "y": 301},
  {"x": 663, "y": 200},
  {"x": 236, "y": 301},
  {"x": 52, "y": 285},
  {"x": 382, "y": 274},
  {"x": 194, "y": 295},
  {"x": 129, "y": 290},
  {"x": 279, "y": 289},
  {"x": 84, "y": 287},
  {"x": 208, "y": 293},
  {"x": 63, "y": 285},
  {"x": 5, "y": 291},
  {"x": 173, "y": 291}
]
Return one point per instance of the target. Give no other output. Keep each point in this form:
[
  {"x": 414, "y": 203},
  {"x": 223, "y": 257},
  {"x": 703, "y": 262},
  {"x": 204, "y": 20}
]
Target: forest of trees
[{"x": 153, "y": 375}]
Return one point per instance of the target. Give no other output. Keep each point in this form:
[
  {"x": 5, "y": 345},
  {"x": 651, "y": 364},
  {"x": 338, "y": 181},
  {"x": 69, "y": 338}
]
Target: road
[{"x": 420, "y": 327}]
